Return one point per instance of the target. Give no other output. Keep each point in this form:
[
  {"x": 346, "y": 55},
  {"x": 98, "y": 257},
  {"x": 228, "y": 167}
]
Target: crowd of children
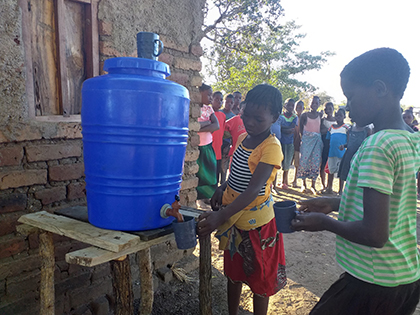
[{"x": 261, "y": 135}]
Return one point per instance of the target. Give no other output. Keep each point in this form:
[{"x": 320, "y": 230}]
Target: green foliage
[{"x": 250, "y": 47}]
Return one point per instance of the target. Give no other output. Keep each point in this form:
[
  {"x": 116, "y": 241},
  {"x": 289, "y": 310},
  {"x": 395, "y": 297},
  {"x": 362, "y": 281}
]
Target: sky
[{"x": 350, "y": 28}]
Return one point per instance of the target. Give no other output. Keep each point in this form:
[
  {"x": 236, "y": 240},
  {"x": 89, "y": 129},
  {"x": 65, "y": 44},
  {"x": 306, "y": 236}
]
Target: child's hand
[
  {"x": 209, "y": 221},
  {"x": 322, "y": 204},
  {"x": 341, "y": 147},
  {"x": 216, "y": 199},
  {"x": 309, "y": 222}
]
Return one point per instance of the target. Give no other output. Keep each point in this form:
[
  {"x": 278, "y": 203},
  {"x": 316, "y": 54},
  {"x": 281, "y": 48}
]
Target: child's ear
[{"x": 380, "y": 88}]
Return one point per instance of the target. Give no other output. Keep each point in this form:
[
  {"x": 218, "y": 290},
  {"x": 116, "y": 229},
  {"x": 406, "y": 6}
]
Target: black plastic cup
[
  {"x": 149, "y": 46},
  {"x": 285, "y": 212},
  {"x": 185, "y": 233}
]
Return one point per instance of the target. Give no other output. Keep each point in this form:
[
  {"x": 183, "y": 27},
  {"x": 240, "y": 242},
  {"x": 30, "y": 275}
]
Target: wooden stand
[{"x": 108, "y": 245}]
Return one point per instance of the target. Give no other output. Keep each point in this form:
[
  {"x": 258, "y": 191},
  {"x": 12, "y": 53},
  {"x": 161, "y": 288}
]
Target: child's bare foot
[
  {"x": 294, "y": 185},
  {"x": 284, "y": 186},
  {"x": 313, "y": 190}
]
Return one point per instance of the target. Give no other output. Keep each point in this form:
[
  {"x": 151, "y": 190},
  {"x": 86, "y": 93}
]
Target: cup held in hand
[
  {"x": 285, "y": 212},
  {"x": 185, "y": 233}
]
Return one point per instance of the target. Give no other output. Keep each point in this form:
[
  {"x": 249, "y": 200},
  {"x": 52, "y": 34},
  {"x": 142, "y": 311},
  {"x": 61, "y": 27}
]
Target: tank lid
[{"x": 137, "y": 63}]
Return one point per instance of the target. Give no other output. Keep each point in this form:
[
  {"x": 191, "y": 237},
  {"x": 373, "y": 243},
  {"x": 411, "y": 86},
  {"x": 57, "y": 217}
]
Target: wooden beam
[
  {"x": 121, "y": 282},
  {"x": 205, "y": 275},
  {"x": 62, "y": 58},
  {"x": 46, "y": 252},
  {"x": 25, "y": 229},
  {"x": 93, "y": 256},
  {"x": 82, "y": 1},
  {"x": 114, "y": 241},
  {"x": 146, "y": 282}
]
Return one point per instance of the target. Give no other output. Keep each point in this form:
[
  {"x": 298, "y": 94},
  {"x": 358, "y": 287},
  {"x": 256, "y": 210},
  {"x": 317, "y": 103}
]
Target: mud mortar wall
[{"x": 41, "y": 161}]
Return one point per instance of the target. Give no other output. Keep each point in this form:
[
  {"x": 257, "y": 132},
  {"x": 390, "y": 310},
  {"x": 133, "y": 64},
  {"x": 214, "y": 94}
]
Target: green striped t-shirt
[{"x": 387, "y": 161}]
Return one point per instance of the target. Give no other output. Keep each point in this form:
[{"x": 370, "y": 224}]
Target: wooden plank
[
  {"x": 191, "y": 212},
  {"x": 93, "y": 256},
  {"x": 46, "y": 252},
  {"x": 92, "y": 40},
  {"x": 146, "y": 282},
  {"x": 44, "y": 57},
  {"x": 114, "y": 241},
  {"x": 81, "y": 213},
  {"x": 61, "y": 41},
  {"x": 205, "y": 276},
  {"x": 121, "y": 282}
]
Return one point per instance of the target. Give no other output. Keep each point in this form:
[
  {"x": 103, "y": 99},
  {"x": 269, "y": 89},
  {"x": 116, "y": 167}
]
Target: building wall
[{"x": 41, "y": 162}]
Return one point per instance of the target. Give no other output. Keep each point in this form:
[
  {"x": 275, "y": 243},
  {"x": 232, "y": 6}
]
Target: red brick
[
  {"x": 21, "y": 285},
  {"x": 52, "y": 152},
  {"x": 180, "y": 78},
  {"x": 166, "y": 58},
  {"x": 11, "y": 156},
  {"x": 14, "y": 179},
  {"x": 11, "y": 246},
  {"x": 169, "y": 43},
  {"x": 190, "y": 168},
  {"x": 21, "y": 263},
  {"x": 195, "y": 97},
  {"x": 76, "y": 190},
  {"x": 105, "y": 28},
  {"x": 51, "y": 195},
  {"x": 196, "y": 50},
  {"x": 13, "y": 202},
  {"x": 66, "y": 172},
  {"x": 8, "y": 223},
  {"x": 33, "y": 240},
  {"x": 106, "y": 49},
  {"x": 192, "y": 155},
  {"x": 187, "y": 64},
  {"x": 195, "y": 140}
]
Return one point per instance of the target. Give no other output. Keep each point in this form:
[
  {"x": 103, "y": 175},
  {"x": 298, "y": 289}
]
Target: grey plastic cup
[
  {"x": 285, "y": 212},
  {"x": 149, "y": 46}
]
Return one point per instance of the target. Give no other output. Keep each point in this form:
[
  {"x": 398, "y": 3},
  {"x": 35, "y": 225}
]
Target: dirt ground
[{"x": 310, "y": 268}]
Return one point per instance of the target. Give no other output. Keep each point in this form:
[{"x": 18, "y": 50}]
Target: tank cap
[{"x": 137, "y": 63}]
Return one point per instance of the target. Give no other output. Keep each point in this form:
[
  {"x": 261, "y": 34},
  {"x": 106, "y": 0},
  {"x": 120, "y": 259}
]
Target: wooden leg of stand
[
  {"x": 46, "y": 251},
  {"x": 146, "y": 282},
  {"x": 205, "y": 275},
  {"x": 121, "y": 282}
]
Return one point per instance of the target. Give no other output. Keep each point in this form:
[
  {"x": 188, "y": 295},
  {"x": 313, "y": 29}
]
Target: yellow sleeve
[{"x": 272, "y": 154}]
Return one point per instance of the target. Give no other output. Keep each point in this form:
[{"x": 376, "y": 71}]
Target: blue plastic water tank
[{"x": 135, "y": 132}]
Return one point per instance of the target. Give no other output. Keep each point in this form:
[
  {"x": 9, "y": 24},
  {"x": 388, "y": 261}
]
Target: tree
[{"x": 249, "y": 46}]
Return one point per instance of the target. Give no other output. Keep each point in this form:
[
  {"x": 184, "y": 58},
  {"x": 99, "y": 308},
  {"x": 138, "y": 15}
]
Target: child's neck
[
  {"x": 288, "y": 114},
  {"x": 251, "y": 142},
  {"x": 339, "y": 123}
]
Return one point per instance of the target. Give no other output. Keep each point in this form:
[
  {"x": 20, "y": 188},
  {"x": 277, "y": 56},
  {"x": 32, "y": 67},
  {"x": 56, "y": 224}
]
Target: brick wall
[{"x": 41, "y": 163}]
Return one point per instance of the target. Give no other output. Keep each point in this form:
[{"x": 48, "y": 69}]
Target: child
[
  {"x": 253, "y": 248},
  {"x": 237, "y": 98},
  {"x": 300, "y": 106},
  {"x": 235, "y": 127},
  {"x": 355, "y": 137},
  {"x": 218, "y": 134},
  {"x": 337, "y": 136},
  {"x": 326, "y": 123},
  {"x": 376, "y": 226},
  {"x": 288, "y": 122},
  {"x": 408, "y": 117},
  {"x": 227, "y": 109},
  {"x": 311, "y": 146},
  {"x": 207, "y": 181}
]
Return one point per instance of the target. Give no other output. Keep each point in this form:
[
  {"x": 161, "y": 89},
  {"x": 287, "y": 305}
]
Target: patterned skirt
[
  {"x": 259, "y": 260},
  {"x": 310, "y": 155}
]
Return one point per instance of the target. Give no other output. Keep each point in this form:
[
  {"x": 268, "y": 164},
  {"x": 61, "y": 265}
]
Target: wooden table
[{"x": 108, "y": 246}]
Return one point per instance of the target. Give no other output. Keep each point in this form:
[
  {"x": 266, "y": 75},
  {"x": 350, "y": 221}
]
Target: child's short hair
[
  {"x": 266, "y": 95},
  {"x": 289, "y": 100},
  {"x": 218, "y": 93},
  {"x": 229, "y": 96},
  {"x": 300, "y": 102},
  {"x": 204, "y": 87},
  {"x": 384, "y": 64},
  {"x": 342, "y": 110}
]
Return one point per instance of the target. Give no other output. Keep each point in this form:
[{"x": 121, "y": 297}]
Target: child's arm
[
  {"x": 302, "y": 122},
  {"x": 372, "y": 230},
  {"x": 213, "y": 126},
  {"x": 209, "y": 221}
]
